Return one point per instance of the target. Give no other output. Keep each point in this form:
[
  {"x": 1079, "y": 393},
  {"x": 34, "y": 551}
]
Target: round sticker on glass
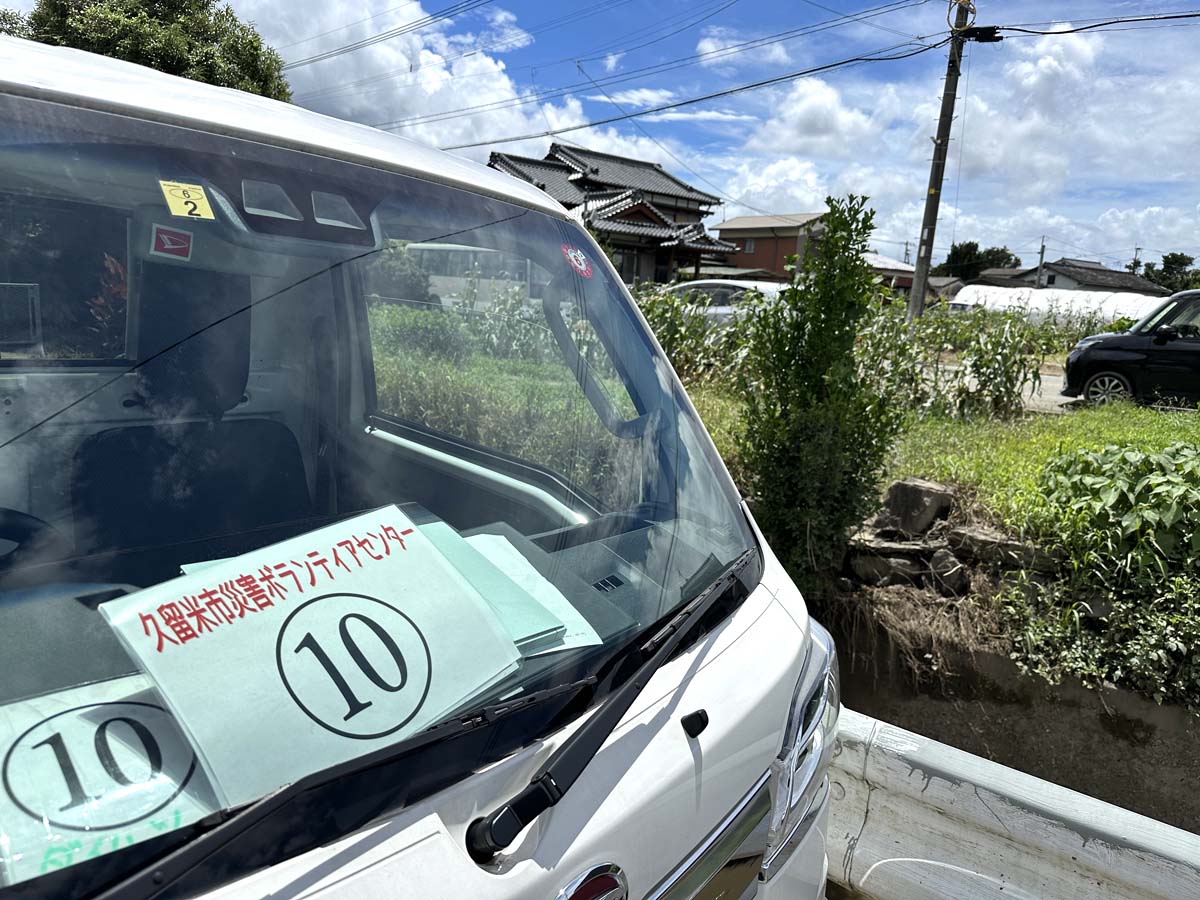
[{"x": 577, "y": 259}]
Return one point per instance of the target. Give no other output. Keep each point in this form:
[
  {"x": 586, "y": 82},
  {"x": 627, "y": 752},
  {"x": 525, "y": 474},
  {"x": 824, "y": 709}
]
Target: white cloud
[
  {"x": 812, "y": 118},
  {"x": 786, "y": 185},
  {"x": 637, "y": 97},
  {"x": 1053, "y": 73},
  {"x": 887, "y": 187},
  {"x": 1152, "y": 228},
  {"x": 699, "y": 115},
  {"x": 612, "y": 61},
  {"x": 715, "y": 40},
  {"x": 503, "y": 34}
]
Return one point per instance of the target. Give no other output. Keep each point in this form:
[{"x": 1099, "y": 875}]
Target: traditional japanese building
[{"x": 651, "y": 221}]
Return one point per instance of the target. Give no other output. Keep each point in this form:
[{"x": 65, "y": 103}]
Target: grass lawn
[{"x": 998, "y": 464}]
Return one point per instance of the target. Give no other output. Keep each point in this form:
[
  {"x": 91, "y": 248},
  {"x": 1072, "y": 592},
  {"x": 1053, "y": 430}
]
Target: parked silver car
[{"x": 719, "y": 297}]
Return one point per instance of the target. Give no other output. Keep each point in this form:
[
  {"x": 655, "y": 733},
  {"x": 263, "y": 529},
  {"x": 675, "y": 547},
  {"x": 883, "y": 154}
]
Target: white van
[{"x": 308, "y": 594}]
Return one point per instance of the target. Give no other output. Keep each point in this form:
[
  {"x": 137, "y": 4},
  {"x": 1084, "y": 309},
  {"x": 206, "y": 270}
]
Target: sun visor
[{"x": 243, "y": 225}]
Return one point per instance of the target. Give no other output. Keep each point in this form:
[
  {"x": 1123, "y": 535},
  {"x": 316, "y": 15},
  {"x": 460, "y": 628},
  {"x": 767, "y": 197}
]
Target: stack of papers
[
  {"x": 528, "y": 622},
  {"x": 536, "y": 615},
  {"x": 577, "y": 631}
]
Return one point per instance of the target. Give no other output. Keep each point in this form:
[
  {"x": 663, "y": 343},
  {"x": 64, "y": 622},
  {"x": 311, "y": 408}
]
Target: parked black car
[{"x": 1158, "y": 358}]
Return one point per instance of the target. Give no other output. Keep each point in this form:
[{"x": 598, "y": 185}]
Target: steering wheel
[{"x": 34, "y": 537}]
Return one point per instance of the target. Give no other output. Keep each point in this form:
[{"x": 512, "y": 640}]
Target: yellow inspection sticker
[{"x": 187, "y": 200}]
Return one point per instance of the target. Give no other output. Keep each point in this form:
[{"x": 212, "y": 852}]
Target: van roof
[{"x": 78, "y": 78}]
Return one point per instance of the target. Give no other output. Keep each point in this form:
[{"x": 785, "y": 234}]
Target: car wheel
[{"x": 1105, "y": 387}]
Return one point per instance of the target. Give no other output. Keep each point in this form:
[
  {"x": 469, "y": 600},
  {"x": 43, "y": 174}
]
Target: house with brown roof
[
  {"x": 765, "y": 242},
  {"x": 1086, "y": 275},
  {"x": 651, "y": 220}
]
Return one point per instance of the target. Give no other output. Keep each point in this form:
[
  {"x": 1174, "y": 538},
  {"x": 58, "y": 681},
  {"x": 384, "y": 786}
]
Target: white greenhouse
[{"x": 1062, "y": 305}]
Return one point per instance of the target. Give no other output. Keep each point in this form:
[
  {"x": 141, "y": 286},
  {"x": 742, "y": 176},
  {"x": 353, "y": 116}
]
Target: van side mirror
[{"x": 1165, "y": 333}]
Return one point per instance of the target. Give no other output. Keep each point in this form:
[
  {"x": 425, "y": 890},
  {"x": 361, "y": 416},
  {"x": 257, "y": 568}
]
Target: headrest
[{"x": 193, "y": 340}]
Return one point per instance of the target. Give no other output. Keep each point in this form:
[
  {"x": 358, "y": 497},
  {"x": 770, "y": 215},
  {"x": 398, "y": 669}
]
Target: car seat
[{"x": 192, "y": 473}]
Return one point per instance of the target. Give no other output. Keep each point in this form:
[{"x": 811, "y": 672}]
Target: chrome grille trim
[{"x": 742, "y": 834}]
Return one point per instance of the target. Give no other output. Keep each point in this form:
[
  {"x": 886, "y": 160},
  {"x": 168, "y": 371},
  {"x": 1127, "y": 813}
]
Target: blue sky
[{"x": 1090, "y": 139}]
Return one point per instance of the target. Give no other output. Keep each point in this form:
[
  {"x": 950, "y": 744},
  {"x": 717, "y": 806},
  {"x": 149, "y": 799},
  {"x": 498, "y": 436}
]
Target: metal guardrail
[{"x": 913, "y": 819}]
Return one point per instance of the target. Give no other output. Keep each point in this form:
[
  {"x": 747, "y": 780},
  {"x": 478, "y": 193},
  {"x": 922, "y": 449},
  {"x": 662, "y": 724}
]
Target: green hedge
[
  {"x": 533, "y": 411},
  {"x": 437, "y": 333}
]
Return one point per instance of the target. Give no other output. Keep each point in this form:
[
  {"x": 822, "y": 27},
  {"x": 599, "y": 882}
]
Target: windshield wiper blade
[
  {"x": 491, "y": 834},
  {"x": 225, "y": 827}
]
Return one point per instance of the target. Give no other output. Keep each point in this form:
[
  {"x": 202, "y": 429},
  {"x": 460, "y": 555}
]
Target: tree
[
  {"x": 816, "y": 434},
  {"x": 396, "y": 275},
  {"x": 966, "y": 260},
  {"x": 1175, "y": 273},
  {"x": 197, "y": 39},
  {"x": 13, "y": 23}
]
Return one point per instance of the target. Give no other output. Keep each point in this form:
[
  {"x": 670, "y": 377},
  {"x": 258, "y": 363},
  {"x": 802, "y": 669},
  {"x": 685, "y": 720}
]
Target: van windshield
[{"x": 299, "y": 457}]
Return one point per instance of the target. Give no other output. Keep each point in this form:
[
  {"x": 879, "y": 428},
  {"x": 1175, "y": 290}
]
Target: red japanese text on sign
[{"x": 204, "y": 612}]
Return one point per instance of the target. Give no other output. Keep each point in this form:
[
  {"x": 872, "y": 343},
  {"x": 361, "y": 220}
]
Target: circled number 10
[{"x": 353, "y": 703}]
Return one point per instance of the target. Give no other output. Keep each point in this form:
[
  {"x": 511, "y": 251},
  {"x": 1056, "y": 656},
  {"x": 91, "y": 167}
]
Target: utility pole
[
  {"x": 907, "y": 253},
  {"x": 937, "y": 172},
  {"x": 1137, "y": 260},
  {"x": 1041, "y": 261}
]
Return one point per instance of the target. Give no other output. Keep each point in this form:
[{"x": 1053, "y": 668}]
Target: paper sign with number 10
[
  {"x": 308, "y": 653},
  {"x": 90, "y": 770}
]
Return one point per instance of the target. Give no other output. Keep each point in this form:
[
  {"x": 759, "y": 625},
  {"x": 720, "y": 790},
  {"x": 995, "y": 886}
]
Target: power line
[
  {"x": 1095, "y": 25},
  {"x": 936, "y": 247},
  {"x": 871, "y": 24},
  {"x": 645, "y": 71},
  {"x": 766, "y": 82},
  {"x": 720, "y": 9},
  {"x": 322, "y": 34},
  {"x": 441, "y": 15},
  {"x": 638, "y": 125},
  {"x": 604, "y": 5},
  {"x": 545, "y": 115},
  {"x": 1151, "y": 27},
  {"x": 1067, "y": 244},
  {"x": 1084, "y": 21}
]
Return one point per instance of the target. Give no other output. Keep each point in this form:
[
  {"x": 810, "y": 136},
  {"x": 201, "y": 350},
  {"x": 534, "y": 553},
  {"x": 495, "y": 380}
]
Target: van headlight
[{"x": 799, "y": 782}]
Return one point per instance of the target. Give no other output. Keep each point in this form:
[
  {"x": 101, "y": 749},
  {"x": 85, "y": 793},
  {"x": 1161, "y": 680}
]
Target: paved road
[{"x": 1048, "y": 399}]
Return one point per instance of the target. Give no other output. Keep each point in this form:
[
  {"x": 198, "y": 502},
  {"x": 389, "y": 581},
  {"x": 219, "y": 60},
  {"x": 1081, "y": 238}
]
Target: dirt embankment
[{"x": 921, "y": 647}]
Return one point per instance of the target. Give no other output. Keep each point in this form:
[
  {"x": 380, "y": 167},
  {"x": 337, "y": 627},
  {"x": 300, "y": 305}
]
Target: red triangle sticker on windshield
[{"x": 171, "y": 242}]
